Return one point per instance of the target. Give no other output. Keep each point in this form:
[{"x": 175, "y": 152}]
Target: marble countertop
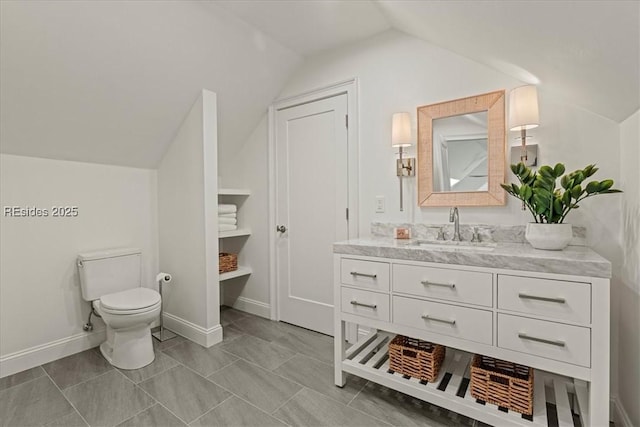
[{"x": 574, "y": 260}]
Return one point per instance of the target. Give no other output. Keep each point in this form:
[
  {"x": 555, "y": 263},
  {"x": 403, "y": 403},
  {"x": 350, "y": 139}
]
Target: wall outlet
[{"x": 379, "y": 204}]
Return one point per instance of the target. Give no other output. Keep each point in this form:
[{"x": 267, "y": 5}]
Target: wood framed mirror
[{"x": 461, "y": 152}]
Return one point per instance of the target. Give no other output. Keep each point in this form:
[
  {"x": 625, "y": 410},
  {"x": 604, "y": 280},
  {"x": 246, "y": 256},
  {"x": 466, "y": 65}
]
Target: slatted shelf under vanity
[{"x": 369, "y": 359}]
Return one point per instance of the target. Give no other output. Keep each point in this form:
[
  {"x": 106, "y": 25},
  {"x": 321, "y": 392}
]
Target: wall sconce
[
  {"x": 401, "y": 137},
  {"x": 523, "y": 115}
]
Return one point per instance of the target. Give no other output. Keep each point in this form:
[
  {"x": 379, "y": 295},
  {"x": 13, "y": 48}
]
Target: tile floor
[{"x": 264, "y": 373}]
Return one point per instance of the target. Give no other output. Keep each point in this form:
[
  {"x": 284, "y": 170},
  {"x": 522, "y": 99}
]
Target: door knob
[{"x": 281, "y": 228}]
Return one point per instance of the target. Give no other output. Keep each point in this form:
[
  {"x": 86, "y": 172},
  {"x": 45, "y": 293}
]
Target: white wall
[
  {"x": 40, "y": 298},
  {"x": 397, "y": 72},
  {"x": 629, "y": 293},
  {"x": 187, "y": 217},
  {"x": 248, "y": 168}
]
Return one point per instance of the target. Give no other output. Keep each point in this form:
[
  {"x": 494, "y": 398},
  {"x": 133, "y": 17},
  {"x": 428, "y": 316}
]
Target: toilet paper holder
[{"x": 162, "y": 334}]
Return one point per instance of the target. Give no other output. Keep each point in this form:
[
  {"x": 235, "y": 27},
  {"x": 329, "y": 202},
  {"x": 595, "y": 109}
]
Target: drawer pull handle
[
  {"x": 361, "y": 304},
  {"x": 542, "y": 340},
  {"x": 444, "y": 285},
  {"x": 355, "y": 274},
  {"x": 539, "y": 298},
  {"x": 436, "y": 319}
]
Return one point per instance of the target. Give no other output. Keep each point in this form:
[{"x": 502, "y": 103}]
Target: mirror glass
[{"x": 460, "y": 153}]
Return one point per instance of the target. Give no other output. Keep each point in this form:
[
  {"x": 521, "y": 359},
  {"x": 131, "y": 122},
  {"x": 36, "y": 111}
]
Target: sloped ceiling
[
  {"x": 111, "y": 81},
  {"x": 587, "y": 53}
]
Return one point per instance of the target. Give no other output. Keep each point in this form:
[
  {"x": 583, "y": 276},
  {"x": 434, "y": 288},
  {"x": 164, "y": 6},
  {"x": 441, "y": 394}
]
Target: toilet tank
[{"x": 108, "y": 271}]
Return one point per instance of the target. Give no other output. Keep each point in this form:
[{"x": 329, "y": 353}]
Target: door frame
[{"x": 349, "y": 87}]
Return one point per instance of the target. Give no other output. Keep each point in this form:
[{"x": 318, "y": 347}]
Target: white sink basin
[{"x": 456, "y": 246}]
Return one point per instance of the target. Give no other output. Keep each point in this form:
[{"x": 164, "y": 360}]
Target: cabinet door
[
  {"x": 555, "y": 299},
  {"x": 471, "y": 287},
  {"x": 557, "y": 341},
  {"x": 460, "y": 322}
]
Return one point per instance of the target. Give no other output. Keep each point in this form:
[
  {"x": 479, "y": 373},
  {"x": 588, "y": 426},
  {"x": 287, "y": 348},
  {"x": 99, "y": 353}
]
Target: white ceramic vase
[{"x": 551, "y": 237}]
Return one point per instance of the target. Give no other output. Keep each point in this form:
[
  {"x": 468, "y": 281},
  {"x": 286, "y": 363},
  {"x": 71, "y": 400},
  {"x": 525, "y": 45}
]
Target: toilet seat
[{"x": 131, "y": 301}]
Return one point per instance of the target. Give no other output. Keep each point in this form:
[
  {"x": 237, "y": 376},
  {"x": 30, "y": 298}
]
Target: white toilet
[{"x": 111, "y": 281}]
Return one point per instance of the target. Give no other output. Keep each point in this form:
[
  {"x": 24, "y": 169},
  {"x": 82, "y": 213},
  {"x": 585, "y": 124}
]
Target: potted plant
[{"x": 550, "y": 204}]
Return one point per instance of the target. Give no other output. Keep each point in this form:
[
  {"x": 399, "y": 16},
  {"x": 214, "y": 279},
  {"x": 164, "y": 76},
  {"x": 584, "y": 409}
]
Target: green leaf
[
  {"x": 605, "y": 185},
  {"x": 514, "y": 168},
  {"x": 590, "y": 170},
  {"x": 546, "y": 171},
  {"x": 558, "y": 170},
  {"x": 576, "y": 191},
  {"x": 526, "y": 192},
  {"x": 593, "y": 187},
  {"x": 566, "y": 197},
  {"x": 557, "y": 205},
  {"x": 564, "y": 182}
]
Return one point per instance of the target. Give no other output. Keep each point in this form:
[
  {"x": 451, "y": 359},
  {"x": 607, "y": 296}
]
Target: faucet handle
[
  {"x": 475, "y": 237},
  {"x": 440, "y": 234}
]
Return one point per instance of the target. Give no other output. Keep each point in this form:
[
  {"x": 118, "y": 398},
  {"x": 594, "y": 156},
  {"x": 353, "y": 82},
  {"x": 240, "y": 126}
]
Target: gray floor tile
[
  {"x": 230, "y": 333},
  {"x": 161, "y": 363},
  {"x": 260, "y": 352},
  {"x": 155, "y": 416},
  {"x": 72, "y": 420},
  {"x": 184, "y": 393},
  {"x": 203, "y": 360},
  {"x": 402, "y": 410},
  {"x": 32, "y": 403},
  {"x": 260, "y": 327},
  {"x": 262, "y": 388},
  {"x": 108, "y": 399},
  {"x": 77, "y": 368},
  {"x": 21, "y": 377},
  {"x": 163, "y": 345},
  {"x": 319, "y": 377},
  {"x": 307, "y": 342},
  {"x": 229, "y": 315},
  {"x": 236, "y": 412},
  {"x": 310, "y": 408}
]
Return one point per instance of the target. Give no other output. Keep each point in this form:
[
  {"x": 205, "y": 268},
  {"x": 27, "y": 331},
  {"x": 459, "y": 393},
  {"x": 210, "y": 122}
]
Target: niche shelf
[
  {"x": 234, "y": 233},
  {"x": 241, "y": 271},
  {"x": 234, "y": 192}
]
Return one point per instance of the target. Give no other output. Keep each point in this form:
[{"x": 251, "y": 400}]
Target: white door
[{"x": 311, "y": 208}]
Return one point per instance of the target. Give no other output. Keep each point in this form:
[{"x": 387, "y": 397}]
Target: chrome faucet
[{"x": 455, "y": 218}]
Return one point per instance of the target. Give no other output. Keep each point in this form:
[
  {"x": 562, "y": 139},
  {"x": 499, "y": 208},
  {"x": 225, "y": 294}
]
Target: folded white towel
[
  {"x": 230, "y": 215},
  {"x": 231, "y": 221},
  {"x": 227, "y": 227},
  {"x": 225, "y": 209}
]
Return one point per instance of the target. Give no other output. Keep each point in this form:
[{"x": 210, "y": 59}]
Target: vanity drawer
[
  {"x": 554, "y": 299},
  {"x": 460, "y": 322},
  {"x": 566, "y": 343},
  {"x": 365, "y": 303},
  {"x": 470, "y": 287},
  {"x": 365, "y": 274}
]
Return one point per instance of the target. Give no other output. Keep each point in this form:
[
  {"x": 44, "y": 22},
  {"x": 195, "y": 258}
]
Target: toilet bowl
[{"x": 128, "y": 315}]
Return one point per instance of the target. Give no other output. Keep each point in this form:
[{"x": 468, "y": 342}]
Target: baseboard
[
  {"x": 45, "y": 353},
  {"x": 619, "y": 414},
  {"x": 198, "y": 334},
  {"x": 249, "y": 305}
]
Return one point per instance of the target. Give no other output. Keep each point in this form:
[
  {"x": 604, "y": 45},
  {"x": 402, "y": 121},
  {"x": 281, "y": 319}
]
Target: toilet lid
[{"x": 131, "y": 299}]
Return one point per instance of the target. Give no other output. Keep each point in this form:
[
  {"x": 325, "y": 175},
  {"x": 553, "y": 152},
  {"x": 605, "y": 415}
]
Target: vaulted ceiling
[{"x": 110, "y": 81}]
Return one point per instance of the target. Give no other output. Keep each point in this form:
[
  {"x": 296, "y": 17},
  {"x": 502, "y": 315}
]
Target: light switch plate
[{"x": 379, "y": 204}]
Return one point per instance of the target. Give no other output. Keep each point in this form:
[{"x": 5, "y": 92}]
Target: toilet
[{"x": 111, "y": 281}]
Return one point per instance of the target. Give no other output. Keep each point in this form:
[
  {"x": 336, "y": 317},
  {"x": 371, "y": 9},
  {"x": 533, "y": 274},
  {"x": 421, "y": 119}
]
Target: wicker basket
[
  {"x": 502, "y": 383},
  {"x": 227, "y": 262},
  {"x": 415, "y": 358}
]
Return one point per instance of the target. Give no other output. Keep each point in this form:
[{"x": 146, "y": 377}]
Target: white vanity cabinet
[{"x": 556, "y": 323}]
